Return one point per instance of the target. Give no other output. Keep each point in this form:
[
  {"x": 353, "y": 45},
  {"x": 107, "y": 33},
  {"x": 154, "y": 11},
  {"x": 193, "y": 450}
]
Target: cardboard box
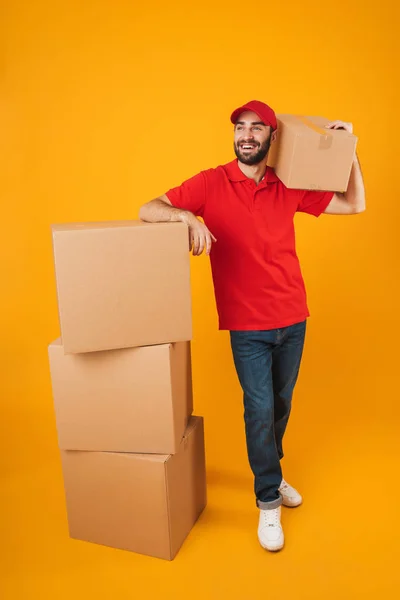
[
  {"x": 128, "y": 400},
  {"x": 146, "y": 503},
  {"x": 122, "y": 284},
  {"x": 307, "y": 156}
]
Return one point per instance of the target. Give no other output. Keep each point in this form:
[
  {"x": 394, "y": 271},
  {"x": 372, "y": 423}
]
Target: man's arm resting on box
[
  {"x": 352, "y": 201},
  {"x": 161, "y": 209}
]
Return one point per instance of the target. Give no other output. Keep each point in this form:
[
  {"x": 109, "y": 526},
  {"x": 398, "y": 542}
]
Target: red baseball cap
[{"x": 265, "y": 112}]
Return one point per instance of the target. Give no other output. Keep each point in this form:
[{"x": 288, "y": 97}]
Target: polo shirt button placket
[
  {"x": 251, "y": 185},
  {"x": 254, "y": 200},
  {"x": 257, "y": 189}
]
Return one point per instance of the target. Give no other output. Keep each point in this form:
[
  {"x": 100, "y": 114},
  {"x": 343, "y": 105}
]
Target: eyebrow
[{"x": 252, "y": 123}]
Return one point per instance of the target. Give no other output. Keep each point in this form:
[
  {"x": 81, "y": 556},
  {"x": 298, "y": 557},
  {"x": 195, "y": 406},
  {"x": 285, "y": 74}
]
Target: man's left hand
[{"x": 340, "y": 125}]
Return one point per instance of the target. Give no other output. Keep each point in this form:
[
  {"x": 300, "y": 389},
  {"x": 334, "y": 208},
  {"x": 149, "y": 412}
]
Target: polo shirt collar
[{"x": 234, "y": 173}]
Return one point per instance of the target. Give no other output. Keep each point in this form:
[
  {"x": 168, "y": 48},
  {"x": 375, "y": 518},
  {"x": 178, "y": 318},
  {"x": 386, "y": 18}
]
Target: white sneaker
[
  {"x": 270, "y": 532},
  {"x": 290, "y": 496}
]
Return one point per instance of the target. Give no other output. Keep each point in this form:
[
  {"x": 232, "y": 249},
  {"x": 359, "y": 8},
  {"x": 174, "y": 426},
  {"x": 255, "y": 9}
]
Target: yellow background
[{"x": 105, "y": 105}]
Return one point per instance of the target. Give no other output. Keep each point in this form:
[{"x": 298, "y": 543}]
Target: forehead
[{"x": 249, "y": 117}]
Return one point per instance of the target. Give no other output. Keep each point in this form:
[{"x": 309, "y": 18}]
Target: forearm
[
  {"x": 355, "y": 193},
  {"x": 157, "y": 211}
]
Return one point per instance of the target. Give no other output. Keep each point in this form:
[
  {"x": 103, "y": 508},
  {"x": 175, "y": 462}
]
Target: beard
[{"x": 254, "y": 157}]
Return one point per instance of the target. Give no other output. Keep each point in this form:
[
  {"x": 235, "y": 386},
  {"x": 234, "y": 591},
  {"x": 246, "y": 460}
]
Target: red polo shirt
[{"x": 256, "y": 273}]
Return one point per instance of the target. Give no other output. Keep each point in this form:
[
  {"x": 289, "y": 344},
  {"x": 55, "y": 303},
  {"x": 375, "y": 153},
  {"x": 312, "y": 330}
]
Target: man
[{"x": 248, "y": 232}]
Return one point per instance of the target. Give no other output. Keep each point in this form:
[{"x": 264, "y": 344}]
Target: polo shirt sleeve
[
  {"x": 190, "y": 195},
  {"x": 313, "y": 202}
]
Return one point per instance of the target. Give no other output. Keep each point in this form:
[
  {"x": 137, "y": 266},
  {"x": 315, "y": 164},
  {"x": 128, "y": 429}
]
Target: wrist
[{"x": 184, "y": 216}]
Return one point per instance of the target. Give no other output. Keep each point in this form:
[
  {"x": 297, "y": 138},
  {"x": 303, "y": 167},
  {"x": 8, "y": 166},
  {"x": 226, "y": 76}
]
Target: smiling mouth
[{"x": 247, "y": 147}]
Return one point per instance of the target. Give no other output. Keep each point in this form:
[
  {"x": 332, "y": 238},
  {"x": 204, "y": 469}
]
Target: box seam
[
  {"x": 168, "y": 509},
  {"x": 171, "y": 351}
]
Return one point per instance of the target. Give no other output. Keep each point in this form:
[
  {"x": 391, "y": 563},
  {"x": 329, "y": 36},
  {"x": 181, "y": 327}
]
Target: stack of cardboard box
[{"x": 132, "y": 453}]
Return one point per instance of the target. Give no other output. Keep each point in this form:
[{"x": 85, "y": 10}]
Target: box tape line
[{"x": 326, "y": 139}]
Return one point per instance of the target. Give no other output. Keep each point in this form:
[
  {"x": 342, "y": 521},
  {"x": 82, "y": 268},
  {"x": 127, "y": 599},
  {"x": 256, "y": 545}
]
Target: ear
[{"x": 273, "y": 136}]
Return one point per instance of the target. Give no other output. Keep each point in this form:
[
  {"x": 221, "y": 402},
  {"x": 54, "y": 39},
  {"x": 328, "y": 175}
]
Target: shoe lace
[{"x": 271, "y": 517}]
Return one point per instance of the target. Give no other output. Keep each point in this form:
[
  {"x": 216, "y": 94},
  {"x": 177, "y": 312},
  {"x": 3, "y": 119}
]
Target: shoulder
[
  {"x": 219, "y": 171},
  {"x": 215, "y": 174},
  {"x": 283, "y": 190}
]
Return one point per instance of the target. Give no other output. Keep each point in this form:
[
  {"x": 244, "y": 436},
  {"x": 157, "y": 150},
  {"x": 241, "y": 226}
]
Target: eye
[{"x": 257, "y": 128}]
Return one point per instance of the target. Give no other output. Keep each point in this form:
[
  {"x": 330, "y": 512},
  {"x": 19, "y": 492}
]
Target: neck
[{"x": 255, "y": 172}]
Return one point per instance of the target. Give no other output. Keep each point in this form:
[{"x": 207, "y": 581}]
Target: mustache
[{"x": 253, "y": 142}]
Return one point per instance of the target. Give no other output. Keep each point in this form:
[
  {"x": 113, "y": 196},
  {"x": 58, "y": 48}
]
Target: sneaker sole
[
  {"x": 292, "y": 505},
  {"x": 275, "y": 549}
]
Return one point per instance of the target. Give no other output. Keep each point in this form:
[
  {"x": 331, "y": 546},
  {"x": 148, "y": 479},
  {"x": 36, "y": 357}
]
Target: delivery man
[{"x": 248, "y": 232}]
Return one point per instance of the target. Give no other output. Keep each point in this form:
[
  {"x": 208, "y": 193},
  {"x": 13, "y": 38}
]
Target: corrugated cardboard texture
[
  {"x": 186, "y": 482},
  {"x": 122, "y": 284},
  {"x": 117, "y": 500},
  {"x": 309, "y": 157},
  {"x": 142, "y": 503},
  {"x": 182, "y": 388},
  {"x": 128, "y": 400}
]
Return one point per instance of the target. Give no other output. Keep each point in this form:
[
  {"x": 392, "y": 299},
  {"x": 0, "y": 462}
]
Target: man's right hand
[
  {"x": 200, "y": 237},
  {"x": 160, "y": 209}
]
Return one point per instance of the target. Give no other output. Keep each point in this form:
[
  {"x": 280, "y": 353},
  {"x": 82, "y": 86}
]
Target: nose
[{"x": 247, "y": 136}]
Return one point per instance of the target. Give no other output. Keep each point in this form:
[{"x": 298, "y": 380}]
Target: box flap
[
  {"x": 160, "y": 458},
  {"x": 110, "y": 225},
  {"x": 56, "y": 343}
]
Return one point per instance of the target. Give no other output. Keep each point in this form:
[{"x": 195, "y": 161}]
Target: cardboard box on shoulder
[{"x": 308, "y": 156}]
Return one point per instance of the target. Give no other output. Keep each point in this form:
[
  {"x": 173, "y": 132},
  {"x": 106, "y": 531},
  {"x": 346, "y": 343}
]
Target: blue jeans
[{"x": 267, "y": 363}]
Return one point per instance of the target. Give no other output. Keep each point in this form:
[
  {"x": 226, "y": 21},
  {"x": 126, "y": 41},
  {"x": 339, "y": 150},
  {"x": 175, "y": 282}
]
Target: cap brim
[{"x": 236, "y": 113}]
